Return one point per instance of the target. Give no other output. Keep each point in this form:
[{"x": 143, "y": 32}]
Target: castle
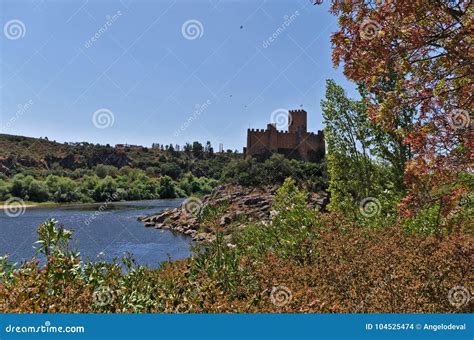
[{"x": 296, "y": 143}]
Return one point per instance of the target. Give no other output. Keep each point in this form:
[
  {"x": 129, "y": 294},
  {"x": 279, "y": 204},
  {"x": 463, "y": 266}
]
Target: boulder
[
  {"x": 225, "y": 220},
  {"x": 253, "y": 200}
]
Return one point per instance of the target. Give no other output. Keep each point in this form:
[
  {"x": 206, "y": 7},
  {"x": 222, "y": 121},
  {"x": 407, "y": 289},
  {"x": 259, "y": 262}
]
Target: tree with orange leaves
[{"x": 428, "y": 46}]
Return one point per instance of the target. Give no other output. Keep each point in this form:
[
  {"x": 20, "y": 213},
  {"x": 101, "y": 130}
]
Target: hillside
[
  {"x": 18, "y": 153},
  {"x": 40, "y": 170}
]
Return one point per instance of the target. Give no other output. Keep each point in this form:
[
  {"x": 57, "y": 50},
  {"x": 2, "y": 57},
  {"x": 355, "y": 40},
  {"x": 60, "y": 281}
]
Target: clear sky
[{"x": 161, "y": 71}]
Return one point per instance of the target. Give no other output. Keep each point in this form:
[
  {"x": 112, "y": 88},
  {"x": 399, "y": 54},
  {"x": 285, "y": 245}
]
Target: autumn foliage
[
  {"x": 350, "y": 271},
  {"x": 302, "y": 261},
  {"x": 416, "y": 54}
]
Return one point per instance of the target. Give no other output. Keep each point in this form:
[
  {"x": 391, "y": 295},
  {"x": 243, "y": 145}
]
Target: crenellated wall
[{"x": 296, "y": 142}]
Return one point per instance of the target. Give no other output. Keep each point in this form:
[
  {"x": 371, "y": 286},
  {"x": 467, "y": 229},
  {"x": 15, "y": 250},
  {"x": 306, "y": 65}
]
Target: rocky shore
[{"x": 228, "y": 207}]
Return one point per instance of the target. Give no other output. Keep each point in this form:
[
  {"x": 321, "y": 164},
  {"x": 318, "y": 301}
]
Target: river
[{"x": 98, "y": 234}]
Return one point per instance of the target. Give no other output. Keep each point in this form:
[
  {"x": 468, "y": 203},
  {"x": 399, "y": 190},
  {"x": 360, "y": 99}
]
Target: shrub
[
  {"x": 38, "y": 191},
  {"x": 326, "y": 262},
  {"x": 167, "y": 187},
  {"x": 293, "y": 226}
]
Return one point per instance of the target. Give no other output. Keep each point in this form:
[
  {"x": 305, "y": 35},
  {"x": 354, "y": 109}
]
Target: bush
[
  {"x": 167, "y": 187},
  {"x": 330, "y": 266},
  {"x": 62, "y": 189},
  {"x": 293, "y": 225},
  {"x": 172, "y": 170},
  {"x": 193, "y": 185},
  {"x": 103, "y": 171},
  {"x": 105, "y": 190},
  {"x": 38, "y": 191}
]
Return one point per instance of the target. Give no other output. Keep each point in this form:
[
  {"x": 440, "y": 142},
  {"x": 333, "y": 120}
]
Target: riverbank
[
  {"x": 301, "y": 261},
  {"x": 227, "y": 209},
  {"x": 4, "y": 205}
]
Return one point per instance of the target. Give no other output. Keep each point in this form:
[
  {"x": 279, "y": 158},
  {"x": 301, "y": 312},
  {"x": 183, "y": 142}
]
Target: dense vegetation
[
  {"x": 123, "y": 184},
  {"x": 96, "y": 173},
  {"x": 413, "y": 60},
  {"x": 303, "y": 261}
]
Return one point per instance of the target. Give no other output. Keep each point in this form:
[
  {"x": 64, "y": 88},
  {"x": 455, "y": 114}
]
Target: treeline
[
  {"x": 123, "y": 184},
  {"x": 166, "y": 181},
  {"x": 40, "y": 170},
  {"x": 40, "y": 157}
]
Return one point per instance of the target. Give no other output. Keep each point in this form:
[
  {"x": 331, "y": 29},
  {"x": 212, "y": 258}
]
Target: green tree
[
  {"x": 105, "y": 190},
  {"x": 167, "y": 187},
  {"x": 363, "y": 160},
  {"x": 198, "y": 150},
  {"x": 172, "y": 170},
  {"x": 38, "y": 191},
  {"x": 62, "y": 189}
]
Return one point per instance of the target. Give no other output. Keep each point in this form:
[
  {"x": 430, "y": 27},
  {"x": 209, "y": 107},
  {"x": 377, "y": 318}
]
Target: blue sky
[{"x": 152, "y": 78}]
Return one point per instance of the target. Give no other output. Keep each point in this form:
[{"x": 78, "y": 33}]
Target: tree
[
  {"x": 197, "y": 150},
  {"x": 105, "y": 190},
  {"x": 19, "y": 186},
  {"x": 209, "y": 149},
  {"x": 363, "y": 158},
  {"x": 103, "y": 170},
  {"x": 38, "y": 191},
  {"x": 188, "y": 148},
  {"x": 171, "y": 169},
  {"x": 167, "y": 187},
  {"x": 427, "y": 44}
]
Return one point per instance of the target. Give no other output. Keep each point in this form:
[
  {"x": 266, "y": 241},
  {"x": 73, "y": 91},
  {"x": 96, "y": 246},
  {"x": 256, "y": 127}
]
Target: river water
[{"x": 103, "y": 234}]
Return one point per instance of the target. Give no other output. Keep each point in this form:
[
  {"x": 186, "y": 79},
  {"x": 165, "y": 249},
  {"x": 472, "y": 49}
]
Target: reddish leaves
[{"x": 427, "y": 45}]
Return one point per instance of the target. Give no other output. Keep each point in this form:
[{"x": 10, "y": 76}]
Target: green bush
[
  {"x": 293, "y": 226},
  {"x": 38, "y": 191},
  {"x": 167, "y": 187}
]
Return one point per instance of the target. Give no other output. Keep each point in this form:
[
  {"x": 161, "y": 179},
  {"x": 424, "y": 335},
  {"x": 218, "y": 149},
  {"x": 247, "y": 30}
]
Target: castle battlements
[{"x": 296, "y": 142}]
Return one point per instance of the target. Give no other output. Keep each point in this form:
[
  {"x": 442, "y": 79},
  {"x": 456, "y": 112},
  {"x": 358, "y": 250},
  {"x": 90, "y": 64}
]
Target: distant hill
[{"x": 19, "y": 153}]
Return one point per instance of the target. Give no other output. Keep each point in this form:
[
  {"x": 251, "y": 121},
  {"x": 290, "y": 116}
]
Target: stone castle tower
[{"x": 297, "y": 142}]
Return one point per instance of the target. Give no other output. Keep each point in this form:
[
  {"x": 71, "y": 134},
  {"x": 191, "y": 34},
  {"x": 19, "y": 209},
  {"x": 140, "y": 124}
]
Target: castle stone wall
[{"x": 297, "y": 142}]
